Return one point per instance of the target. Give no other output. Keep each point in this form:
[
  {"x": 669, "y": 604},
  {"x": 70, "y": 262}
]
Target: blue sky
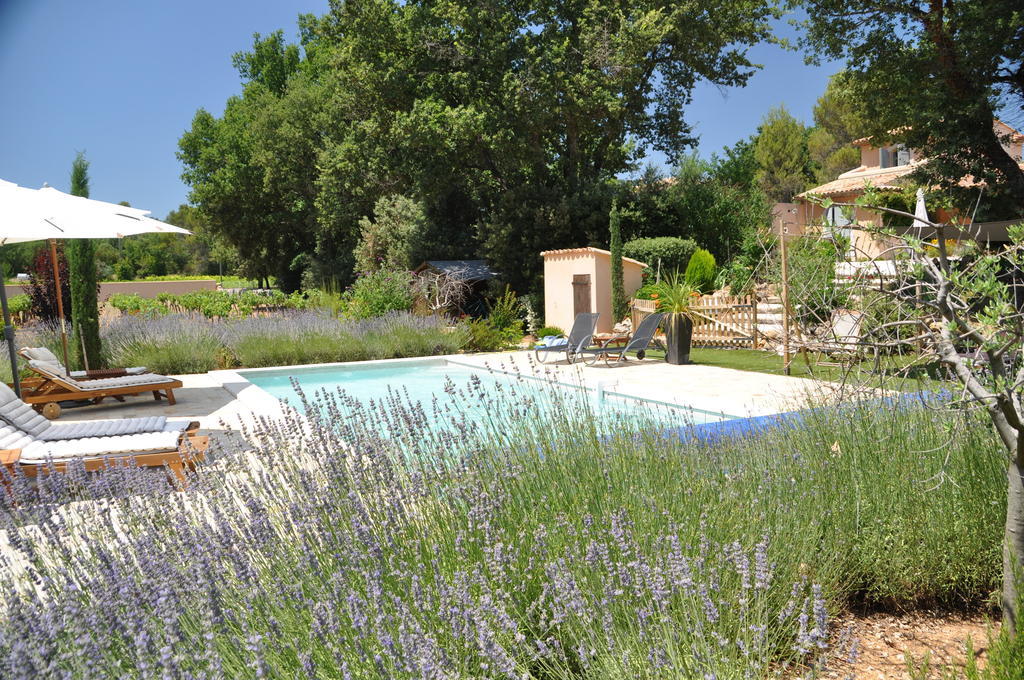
[{"x": 122, "y": 80}]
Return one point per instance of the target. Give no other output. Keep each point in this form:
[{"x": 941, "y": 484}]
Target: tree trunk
[{"x": 1013, "y": 544}]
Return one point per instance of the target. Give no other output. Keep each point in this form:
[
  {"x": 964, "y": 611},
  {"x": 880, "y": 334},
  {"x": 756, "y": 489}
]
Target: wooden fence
[{"x": 718, "y": 321}]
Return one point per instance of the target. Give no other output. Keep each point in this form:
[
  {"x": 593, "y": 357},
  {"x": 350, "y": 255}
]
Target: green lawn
[{"x": 896, "y": 369}]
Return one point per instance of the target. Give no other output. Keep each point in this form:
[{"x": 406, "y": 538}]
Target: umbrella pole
[
  {"x": 9, "y": 330},
  {"x": 60, "y": 303}
]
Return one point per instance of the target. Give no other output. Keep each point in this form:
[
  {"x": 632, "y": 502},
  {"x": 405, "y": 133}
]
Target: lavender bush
[
  {"x": 183, "y": 343},
  {"x": 194, "y": 344},
  {"x": 517, "y": 545}
]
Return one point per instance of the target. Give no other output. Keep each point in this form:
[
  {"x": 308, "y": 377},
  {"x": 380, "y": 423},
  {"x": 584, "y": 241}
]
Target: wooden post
[
  {"x": 754, "y": 342},
  {"x": 60, "y": 302},
  {"x": 785, "y": 305}
]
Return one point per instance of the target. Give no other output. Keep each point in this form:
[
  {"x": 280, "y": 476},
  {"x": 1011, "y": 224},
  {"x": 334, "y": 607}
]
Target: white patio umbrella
[
  {"x": 49, "y": 214},
  {"x": 920, "y": 212}
]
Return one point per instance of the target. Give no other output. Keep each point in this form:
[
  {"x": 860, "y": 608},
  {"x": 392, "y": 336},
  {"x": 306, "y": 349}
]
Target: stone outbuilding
[{"x": 578, "y": 280}]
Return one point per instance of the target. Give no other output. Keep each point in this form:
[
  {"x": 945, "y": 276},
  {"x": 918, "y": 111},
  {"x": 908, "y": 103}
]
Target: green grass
[{"x": 894, "y": 369}]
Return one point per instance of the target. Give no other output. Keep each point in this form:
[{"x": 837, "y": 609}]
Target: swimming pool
[{"x": 444, "y": 392}]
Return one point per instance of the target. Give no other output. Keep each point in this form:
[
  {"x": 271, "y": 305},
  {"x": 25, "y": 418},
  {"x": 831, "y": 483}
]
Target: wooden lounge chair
[
  {"x": 31, "y": 444},
  {"x": 44, "y": 354},
  {"x": 54, "y": 384}
]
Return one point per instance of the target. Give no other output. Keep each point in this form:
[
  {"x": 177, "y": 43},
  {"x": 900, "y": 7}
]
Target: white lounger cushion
[
  {"x": 104, "y": 428},
  {"x": 55, "y": 371},
  {"x": 45, "y": 355},
  {"x": 131, "y": 370},
  {"x": 41, "y": 451},
  {"x": 20, "y": 415}
]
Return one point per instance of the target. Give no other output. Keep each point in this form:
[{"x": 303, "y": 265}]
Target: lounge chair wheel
[
  {"x": 641, "y": 354},
  {"x": 51, "y": 411}
]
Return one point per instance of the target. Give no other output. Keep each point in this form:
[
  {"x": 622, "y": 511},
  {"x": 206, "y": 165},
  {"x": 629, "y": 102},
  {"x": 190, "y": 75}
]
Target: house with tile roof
[{"x": 885, "y": 168}]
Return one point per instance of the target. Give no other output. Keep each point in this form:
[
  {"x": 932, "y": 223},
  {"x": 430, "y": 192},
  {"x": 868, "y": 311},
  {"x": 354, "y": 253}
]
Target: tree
[
  {"x": 620, "y": 306},
  {"x": 837, "y": 122},
  {"x": 391, "y": 240},
  {"x": 507, "y": 121},
  {"x": 932, "y": 75},
  {"x": 781, "y": 153},
  {"x": 42, "y": 288},
  {"x": 86, "y": 349},
  {"x": 964, "y": 311},
  {"x": 252, "y": 171},
  {"x": 703, "y": 203}
]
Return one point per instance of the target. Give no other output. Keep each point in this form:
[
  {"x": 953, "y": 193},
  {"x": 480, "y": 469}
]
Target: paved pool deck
[{"x": 224, "y": 398}]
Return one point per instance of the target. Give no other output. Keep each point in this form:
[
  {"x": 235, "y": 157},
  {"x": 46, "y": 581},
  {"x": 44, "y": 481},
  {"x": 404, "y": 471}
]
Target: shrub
[
  {"x": 378, "y": 293},
  {"x": 811, "y": 273},
  {"x": 549, "y": 330},
  {"x": 392, "y": 238},
  {"x": 43, "y": 290},
  {"x": 310, "y": 337},
  {"x": 700, "y": 272},
  {"x": 483, "y": 336},
  {"x": 171, "y": 344},
  {"x": 674, "y": 253},
  {"x": 19, "y": 304},
  {"x": 132, "y": 303},
  {"x": 516, "y": 541}
]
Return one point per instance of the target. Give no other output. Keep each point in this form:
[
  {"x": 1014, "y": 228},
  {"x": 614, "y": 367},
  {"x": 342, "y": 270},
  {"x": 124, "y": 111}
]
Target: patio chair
[
  {"x": 580, "y": 336},
  {"x": 638, "y": 344},
  {"x": 44, "y": 354},
  {"x": 31, "y": 444},
  {"x": 53, "y": 385}
]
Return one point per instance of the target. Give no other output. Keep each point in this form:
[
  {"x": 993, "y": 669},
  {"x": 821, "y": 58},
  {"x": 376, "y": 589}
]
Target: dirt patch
[{"x": 877, "y": 646}]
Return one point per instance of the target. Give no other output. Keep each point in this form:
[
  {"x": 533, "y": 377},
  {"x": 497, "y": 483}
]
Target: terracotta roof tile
[
  {"x": 588, "y": 250},
  {"x": 856, "y": 181}
]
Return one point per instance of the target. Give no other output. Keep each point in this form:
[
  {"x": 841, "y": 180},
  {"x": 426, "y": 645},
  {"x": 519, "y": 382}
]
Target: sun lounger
[
  {"x": 30, "y": 443},
  {"x": 580, "y": 335},
  {"x": 44, "y": 354},
  {"x": 55, "y": 385},
  {"x": 638, "y": 344}
]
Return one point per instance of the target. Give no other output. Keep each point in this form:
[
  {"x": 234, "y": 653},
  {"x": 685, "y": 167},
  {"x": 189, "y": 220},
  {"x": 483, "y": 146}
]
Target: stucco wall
[
  {"x": 559, "y": 268},
  {"x": 146, "y": 289}
]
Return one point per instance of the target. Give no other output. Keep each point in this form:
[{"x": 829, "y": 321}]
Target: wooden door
[{"x": 580, "y": 294}]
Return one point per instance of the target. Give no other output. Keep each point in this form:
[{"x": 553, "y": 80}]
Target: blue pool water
[{"x": 444, "y": 388}]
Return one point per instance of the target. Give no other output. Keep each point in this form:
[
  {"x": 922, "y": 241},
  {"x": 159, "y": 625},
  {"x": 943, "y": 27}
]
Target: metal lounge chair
[
  {"x": 638, "y": 344},
  {"x": 31, "y": 444},
  {"x": 580, "y": 336},
  {"x": 54, "y": 384}
]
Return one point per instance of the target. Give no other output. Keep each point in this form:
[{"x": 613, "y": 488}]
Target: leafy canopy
[
  {"x": 507, "y": 121},
  {"x": 932, "y": 75}
]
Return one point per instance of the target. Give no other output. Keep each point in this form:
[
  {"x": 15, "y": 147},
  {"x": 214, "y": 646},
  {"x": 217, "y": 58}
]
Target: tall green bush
[
  {"x": 85, "y": 309},
  {"x": 619, "y": 305},
  {"x": 672, "y": 252},
  {"x": 378, "y": 293},
  {"x": 811, "y": 277},
  {"x": 700, "y": 272},
  {"x": 391, "y": 239}
]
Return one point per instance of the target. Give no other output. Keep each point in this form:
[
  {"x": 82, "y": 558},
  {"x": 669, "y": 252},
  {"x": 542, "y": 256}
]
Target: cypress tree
[
  {"x": 81, "y": 252},
  {"x": 620, "y": 306}
]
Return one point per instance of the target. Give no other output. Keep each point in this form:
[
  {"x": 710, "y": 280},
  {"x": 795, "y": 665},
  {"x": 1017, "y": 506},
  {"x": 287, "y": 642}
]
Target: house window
[
  {"x": 838, "y": 226},
  {"x": 893, "y": 156}
]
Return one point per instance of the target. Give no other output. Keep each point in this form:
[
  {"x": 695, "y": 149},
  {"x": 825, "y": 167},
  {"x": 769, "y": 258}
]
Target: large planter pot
[{"x": 678, "y": 335}]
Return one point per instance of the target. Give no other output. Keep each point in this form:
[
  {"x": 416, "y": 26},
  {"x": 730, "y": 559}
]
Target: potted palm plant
[{"x": 675, "y": 299}]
